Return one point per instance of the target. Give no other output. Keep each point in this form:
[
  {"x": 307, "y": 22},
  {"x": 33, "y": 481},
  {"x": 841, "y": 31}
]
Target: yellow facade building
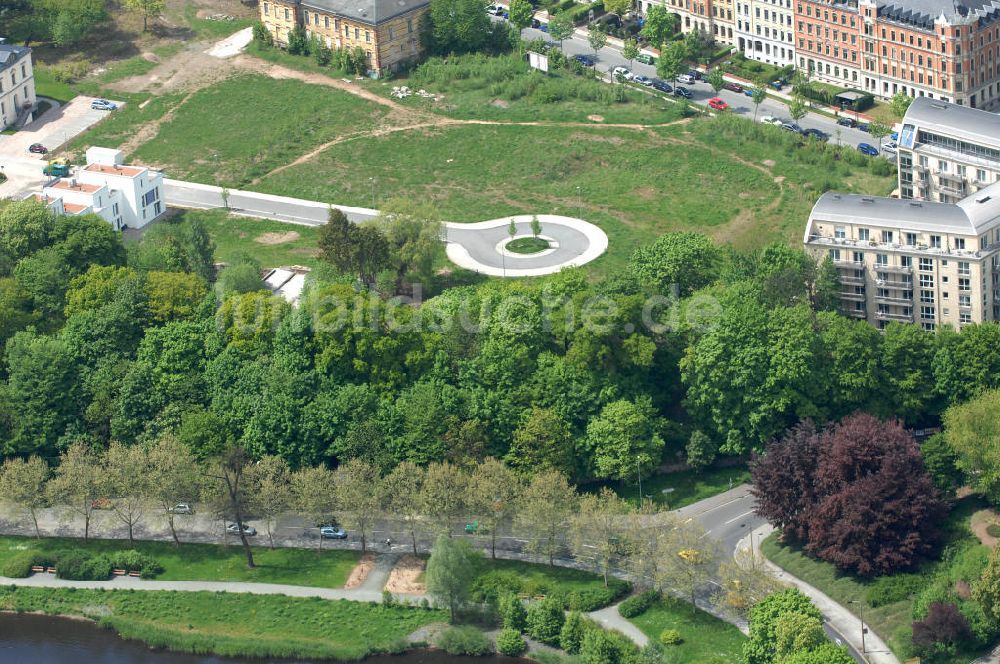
[{"x": 387, "y": 30}]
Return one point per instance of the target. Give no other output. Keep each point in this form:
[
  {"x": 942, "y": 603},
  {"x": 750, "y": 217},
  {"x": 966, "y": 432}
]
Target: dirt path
[
  {"x": 404, "y": 576},
  {"x": 982, "y": 520},
  {"x": 360, "y": 572}
]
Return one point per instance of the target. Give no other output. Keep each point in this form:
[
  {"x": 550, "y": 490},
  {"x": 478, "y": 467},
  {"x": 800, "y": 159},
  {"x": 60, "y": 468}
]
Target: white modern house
[
  {"x": 17, "y": 83},
  {"x": 127, "y": 196}
]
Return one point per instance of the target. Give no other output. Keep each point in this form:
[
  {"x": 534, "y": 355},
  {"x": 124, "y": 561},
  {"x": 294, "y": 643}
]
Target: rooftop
[
  {"x": 365, "y": 11},
  {"x": 971, "y": 216},
  {"x": 68, "y": 185},
  {"x": 9, "y": 54},
  {"x": 963, "y": 122},
  {"x": 73, "y": 208},
  {"x": 124, "y": 171},
  {"x": 923, "y": 13}
]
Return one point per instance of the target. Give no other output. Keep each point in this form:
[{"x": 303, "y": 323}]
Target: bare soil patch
[
  {"x": 361, "y": 571},
  {"x": 276, "y": 238},
  {"x": 982, "y": 520},
  {"x": 769, "y": 163},
  {"x": 596, "y": 118},
  {"x": 499, "y": 103},
  {"x": 404, "y": 576}
]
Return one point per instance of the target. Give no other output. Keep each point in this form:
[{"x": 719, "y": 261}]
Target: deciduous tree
[
  {"x": 624, "y": 440},
  {"x": 598, "y": 530},
  {"x": 899, "y": 104},
  {"x": 670, "y": 64},
  {"x": 450, "y": 571},
  {"x": 521, "y": 13},
  {"x": 401, "y": 491},
  {"x": 716, "y": 79},
  {"x": 174, "y": 477},
  {"x": 660, "y": 25},
  {"x": 442, "y": 495},
  {"x": 597, "y": 37},
  {"x": 686, "y": 261},
  {"x": 544, "y": 511},
  {"x": 24, "y": 484},
  {"x": 271, "y": 480},
  {"x": 542, "y": 442},
  {"x": 561, "y": 27},
  {"x": 357, "y": 487},
  {"x": 77, "y": 482},
  {"x": 314, "y": 496},
  {"x": 228, "y": 473},
  {"x": 493, "y": 491},
  {"x": 127, "y": 476},
  {"x": 630, "y": 48},
  {"x": 972, "y": 430}
]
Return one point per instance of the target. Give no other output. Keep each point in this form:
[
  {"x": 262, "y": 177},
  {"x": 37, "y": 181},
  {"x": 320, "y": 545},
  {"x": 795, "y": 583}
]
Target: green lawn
[
  {"x": 239, "y": 625},
  {"x": 707, "y": 640},
  {"x": 580, "y": 590},
  {"x": 47, "y": 86},
  {"x": 214, "y": 562},
  {"x": 687, "y": 487},
  {"x": 137, "y": 65},
  {"x": 121, "y": 125},
  {"x": 892, "y": 621},
  {"x": 245, "y": 126},
  {"x": 271, "y": 243},
  {"x": 527, "y": 245}
]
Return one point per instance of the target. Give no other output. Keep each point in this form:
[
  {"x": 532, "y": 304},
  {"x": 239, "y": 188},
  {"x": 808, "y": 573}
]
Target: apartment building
[
  {"x": 912, "y": 261},
  {"x": 942, "y": 49},
  {"x": 947, "y": 151},
  {"x": 765, "y": 31},
  {"x": 387, "y": 30},
  {"x": 126, "y": 196},
  {"x": 17, "y": 83}
]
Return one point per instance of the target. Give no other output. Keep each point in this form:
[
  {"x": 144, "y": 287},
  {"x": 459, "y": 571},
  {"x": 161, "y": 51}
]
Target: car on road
[
  {"x": 788, "y": 125},
  {"x": 332, "y": 532},
  {"x": 847, "y": 122},
  {"x": 686, "y": 79},
  {"x": 645, "y": 59},
  {"x": 103, "y": 105},
  {"x": 622, "y": 72},
  {"x": 642, "y": 80},
  {"x": 748, "y": 92},
  {"x": 662, "y": 86},
  {"x": 495, "y": 10},
  {"x": 535, "y": 23},
  {"x": 717, "y": 104},
  {"x": 870, "y": 150},
  {"x": 862, "y": 126},
  {"x": 234, "y": 529},
  {"x": 732, "y": 87},
  {"x": 890, "y": 148},
  {"x": 817, "y": 134},
  {"x": 584, "y": 60},
  {"x": 37, "y": 148},
  {"x": 680, "y": 91},
  {"x": 181, "y": 508},
  {"x": 696, "y": 75}
]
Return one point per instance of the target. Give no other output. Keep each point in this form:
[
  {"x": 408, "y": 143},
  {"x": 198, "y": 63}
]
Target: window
[
  {"x": 964, "y": 268},
  {"x": 960, "y": 243},
  {"x": 927, "y": 312},
  {"x": 368, "y": 36},
  {"x": 839, "y": 232},
  {"x": 287, "y": 15},
  {"x": 887, "y": 236},
  {"x": 409, "y": 25},
  {"x": 863, "y": 234},
  {"x": 964, "y": 300},
  {"x": 859, "y": 257},
  {"x": 881, "y": 259},
  {"x": 835, "y": 255},
  {"x": 357, "y": 33},
  {"x": 267, "y": 10},
  {"x": 963, "y": 284},
  {"x": 326, "y": 22},
  {"x": 935, "y": 241},
  {"x": 926, "y": 281},
  {"x": 927, "y": 296},
  {"x": 911, "y": 239},
  {"x": 926, "y": 265}
]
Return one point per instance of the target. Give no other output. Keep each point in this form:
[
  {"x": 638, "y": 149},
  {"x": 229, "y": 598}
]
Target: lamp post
[
  {"x": 638, "y": 474},
  {"x": 861, "y": 616},
  {"x": 372, "y": 181}
]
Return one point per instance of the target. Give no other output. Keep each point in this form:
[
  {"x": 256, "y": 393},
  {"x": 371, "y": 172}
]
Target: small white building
[
  {"x": 17, "y": 83},
  {"x": 127, "y": 196}
]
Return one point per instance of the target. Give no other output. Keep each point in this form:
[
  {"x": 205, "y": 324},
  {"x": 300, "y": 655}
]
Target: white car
[
  {"x": 181, "y": 508},
  {"x": 234, "y": 529},
  {"x": 623, "y": 72},
  {"x": 891, "y": 148},
  {"x": 771, "y": 120},
  {"x": 495, "y": 10},
  {"x": 687, "y": 79}
]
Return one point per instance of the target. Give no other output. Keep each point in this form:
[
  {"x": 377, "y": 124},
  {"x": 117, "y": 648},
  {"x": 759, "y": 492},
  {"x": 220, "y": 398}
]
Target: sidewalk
[{"x": 837, "y": 616}]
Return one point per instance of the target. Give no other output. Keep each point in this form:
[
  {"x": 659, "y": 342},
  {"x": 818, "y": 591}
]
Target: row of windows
[{"x": 326, "y": 24}]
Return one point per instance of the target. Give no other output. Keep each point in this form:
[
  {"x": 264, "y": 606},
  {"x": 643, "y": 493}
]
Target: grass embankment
[
  {"x": 234, "y": 624},
  {"x": 271, "y": 243},
  {"x": 707, "y": 640},
  {"x": 212, "y": 562},
  {"x": 227, "y": 134},
  {"x": 579, "y": 590},
  {"x": 682, "y": 489},
  {"x": 889, "y": 602}
]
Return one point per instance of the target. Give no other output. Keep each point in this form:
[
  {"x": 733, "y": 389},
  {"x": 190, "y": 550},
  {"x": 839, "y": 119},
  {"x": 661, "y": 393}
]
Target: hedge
[
  {"x": 19, "y": 565},
  {"x": 637, "y": 604},
  {"x": 463, "y": 641},
  {"x": 493, "y": 585},
  {"x": 511, "y": 643},
  {"x": 80, "y": 565}
]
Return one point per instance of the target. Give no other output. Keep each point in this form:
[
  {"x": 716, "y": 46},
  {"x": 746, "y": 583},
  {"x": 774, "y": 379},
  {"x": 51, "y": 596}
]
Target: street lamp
[
  {"x": 372, "y": 180},
  {"x": 861, "y": 616}
]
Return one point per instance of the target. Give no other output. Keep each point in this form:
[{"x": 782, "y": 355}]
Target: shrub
[
  {"x": 942, "y": 631},
  {"x": 70, "y": 72},
  {"x": 131, "y": 560},
  {"x": 512, "y": 613},
  {"x": 888, "y": 589},
  {"x": 19, "y": 565},
  {"x": 671, "y": 637},
  {"x": 600, "y": 646},
  {"x": 510, "y": 643},
  {"x": 545, "y": 620},
  {"x": 637, "y": 604},
  {"x": 80, "y": 566},
  {"x": 463, "y": 641},
  {"x": 262, "y": 37},
  {"x": 571, "y": 634}
]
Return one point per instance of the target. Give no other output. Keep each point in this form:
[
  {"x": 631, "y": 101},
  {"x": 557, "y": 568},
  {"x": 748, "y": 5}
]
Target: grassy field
[
  {"x": 47, "y": 86},
  {"x": 890, "y": 621},
  {"x": 271, "y": 243},
  {"x": 120, "y": 126},
  {"x": 234, "y": 625},
  {"x": 581, "y": 590},
  {"x": 687, "y": 486},
  {"x": 219, "y": 135},
  {"x": 213, "y": 562},
  {"x": 707, "y": 640}
]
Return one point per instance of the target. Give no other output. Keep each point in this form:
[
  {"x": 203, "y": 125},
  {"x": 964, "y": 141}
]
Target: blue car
[
  {"x": 584, "y": 60},
  {"x": 894, "y": 136},
  {"x": 682, "y": 92},
  {"x": 748, "y": 92},
  {"x": 103, "y": 105},
  {"x": 869, "y": 150},
  {"x": 544, "y": 27},
  {"x": 662, "y": 86}
]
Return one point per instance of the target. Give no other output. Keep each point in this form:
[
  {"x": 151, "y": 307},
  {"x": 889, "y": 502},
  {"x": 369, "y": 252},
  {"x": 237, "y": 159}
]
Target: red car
[
  {"x": 37, "y": 148},
  {"x": 717, "y": 104},
  {"x": 734, "y": 87}
]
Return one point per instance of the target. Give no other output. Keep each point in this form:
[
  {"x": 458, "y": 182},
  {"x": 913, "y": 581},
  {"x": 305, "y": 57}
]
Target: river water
[{"x": 35, "y": 639}]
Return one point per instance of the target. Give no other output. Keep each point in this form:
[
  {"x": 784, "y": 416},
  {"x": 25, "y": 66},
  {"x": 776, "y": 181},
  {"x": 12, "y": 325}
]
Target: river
[{"x": 47, "y": 640}]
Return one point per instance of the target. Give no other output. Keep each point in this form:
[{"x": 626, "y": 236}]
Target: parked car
[
  {"x": 894, "y": 136},
  {"x": 37, "y": 148},
  {"x": 717, "y": 104},
  {"x": 494, "y": 10},
  {"x": 847, "y": 122},
  {"x": 234, "y": 529},
  {"x": 621, "y": 72},
  {"x": 817, "y": 134},
  {"x": 686, "y": 79},
  {"x": 181, "y": 508},
  {"x": 777, "y": 85},
  {"x": 732, "y": 87},
  {"x": 862, "y": 126},
  {"x": 544, "y": 27},
  {"x": 696, "y": 75},
  {"x": 680, "y": 91},
  {"x": 890, "y": 147},
  {"x": 584, "y": 60},
  {"x": 535, "y": 23},
  {"x": 788, "y": 125},
  {"x": 103, "y": 105},
  {"x": 748, "y": 92},
  {"x": 645, "y": 59},
  {"x": 662, "y": 86},
  {"x": 870, "y": 150},
  {"x": 642, "y": 80},
  {"x": 332, "y": 532}
]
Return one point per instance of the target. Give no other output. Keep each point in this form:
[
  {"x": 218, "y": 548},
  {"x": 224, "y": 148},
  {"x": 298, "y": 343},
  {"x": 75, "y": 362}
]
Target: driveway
[{"x": 55, "y": 128}]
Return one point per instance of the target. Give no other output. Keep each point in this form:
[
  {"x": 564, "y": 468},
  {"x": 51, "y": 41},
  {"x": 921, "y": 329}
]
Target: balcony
[
  {"x": 953, "y": 191},
  {"x": 899, "y": 269},
  {"x": 894, "y": 300},
  {"x": 852, "y": 281},
  {"x": 855, "y": 313},
  {"x": 850, "y": 295},
  {"x": 951, "y": 177},
  {"x": 885, "y": 315}
]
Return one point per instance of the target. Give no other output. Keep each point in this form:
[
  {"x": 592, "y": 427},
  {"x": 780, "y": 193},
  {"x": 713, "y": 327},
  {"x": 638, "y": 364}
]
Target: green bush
[
  {"x": 545, "y": 620},
  {"x": 671, "y": 637},
  {"x": 510, "y": 643},
  {"x": 131, "y": 560},
  {"x": 512, "y": 613},
  {"x": 19, "y": 565},
  {"x": 888, "y": 589},
  {"x": 80, "y": 566},
  {"x": 463, "y": 641},
  {"x": 637, "y": 604},
  {"x": 571, "y": 635},
  {"x": 600, "y": 647}
]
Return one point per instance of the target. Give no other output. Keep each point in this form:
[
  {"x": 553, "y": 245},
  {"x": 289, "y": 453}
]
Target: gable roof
[{"x": 10, "y": 54}]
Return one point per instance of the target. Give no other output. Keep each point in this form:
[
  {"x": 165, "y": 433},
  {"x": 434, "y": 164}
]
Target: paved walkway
[
  {"x": 837, "y": 616},
  {"x": 475, "y": 246},
  {"x": 611, "y": 619}
]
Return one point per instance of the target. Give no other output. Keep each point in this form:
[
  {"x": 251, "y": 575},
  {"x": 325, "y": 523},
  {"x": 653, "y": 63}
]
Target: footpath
[{"x": 837, "y": 616}]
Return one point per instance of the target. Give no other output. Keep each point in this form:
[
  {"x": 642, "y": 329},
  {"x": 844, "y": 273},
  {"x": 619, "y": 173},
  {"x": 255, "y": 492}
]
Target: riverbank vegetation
[{"x": 236, "y": 625}]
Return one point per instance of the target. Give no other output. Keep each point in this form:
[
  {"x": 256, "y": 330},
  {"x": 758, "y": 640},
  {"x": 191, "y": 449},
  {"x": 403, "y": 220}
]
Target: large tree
[
  {"x": 544, "y": 511},
  {"x": 148, "y": 8},
  {"x": 229, "y": 476},
  {"x": 660, "y": 25},
  {"x": 23, "y": 483},
  {"x": 127, "y": 475},
  {"x": 78, "y": 482},
  {"x": 272, "y": 491},
  {"x": 680, "y": 261},
  {"x": 450, "y": 572},
  {"x": 783, "y": 480},
  {"x": 357, "y": 487},
  {"x": 972, "y": 430},
  {"x": 623, "y": 440},
  {"x": 598, "y": 530},
  {"x": 174, "y": 477},
  {"x": 765, "y": 621},
  {"x": 492, "y": 496},
  {"x": 542, "y": 441},
  {"x": 401, "y": 491}
]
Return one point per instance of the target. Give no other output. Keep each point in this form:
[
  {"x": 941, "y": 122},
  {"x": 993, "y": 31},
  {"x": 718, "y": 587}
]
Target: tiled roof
[
  {"x": 923, "y": 13},
  {"x": 10, "y": 54}
]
